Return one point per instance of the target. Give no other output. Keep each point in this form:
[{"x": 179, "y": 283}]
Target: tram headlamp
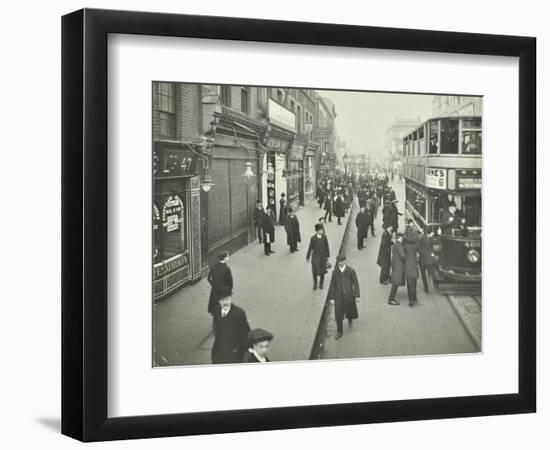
[{"x": 473, "y": 256}]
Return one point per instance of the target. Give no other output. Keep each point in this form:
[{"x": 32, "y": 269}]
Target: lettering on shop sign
[
  {"x": 166, "y": 267},
  {"x": 174, "y": 163},
  {"x": 172, "y": 213},
  {"x": 156, "y": 217},
  {"x": 435, "y": 178}
]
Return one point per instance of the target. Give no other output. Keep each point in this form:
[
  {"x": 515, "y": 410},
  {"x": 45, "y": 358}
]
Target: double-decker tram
[{"x": 442, "y": 170}]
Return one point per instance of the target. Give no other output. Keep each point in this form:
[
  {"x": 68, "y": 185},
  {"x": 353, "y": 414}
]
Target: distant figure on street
[
  {"x": 361, "y": 222},
  {"x": 426, "y": 258},
  {"x": 318, "y": 251},
  {"x": 257, "y": 216},
  {"x": 320, "y": 196},
  {"x": 230, "y": 330},
  {"x": 410, "y": 245},
  {"x": 259, "y": 341},
  {"x": 339, "y": 208},
  {"x": 268, "y": 230},
  {"x": 219, "y": 277},
  {"x": 394, "y": 215},
  {"x": 386, "y": 214},
  {"x": 328, "y": 206},
  {"x": 369, "y": 210},
  {"x": 397, "y": 277},
  {"x": 282, "y": 209},
  {"x": 292, "y": 228},
  {"x": 344, "y": 294},
  {"x": 384, "y": 255}
]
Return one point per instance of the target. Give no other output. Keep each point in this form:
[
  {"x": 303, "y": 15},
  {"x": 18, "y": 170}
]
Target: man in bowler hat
[
  {"x": 230, "y": 330},
  {"x": 344, "y": 294}
]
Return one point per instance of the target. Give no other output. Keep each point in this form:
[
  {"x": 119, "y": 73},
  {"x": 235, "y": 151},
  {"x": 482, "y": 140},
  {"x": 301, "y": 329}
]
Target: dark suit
[
  {"x": 411, "y": 268},
  {"x": 230, "y": 336},
  {"x": 319, "y": 252},
  {"x": 344, "y": 289},
  {"x": 268, "y": 230},
  {"x": 339, "y": 209},
  {"x": 218, "y": 277},
  {"x": 257, "y": 216}
]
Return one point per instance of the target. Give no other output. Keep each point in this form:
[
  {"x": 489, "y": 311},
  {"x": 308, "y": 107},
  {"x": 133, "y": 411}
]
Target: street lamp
[
  {"x": 248, "y": 171},
  {"x": 206, "y": 181}
]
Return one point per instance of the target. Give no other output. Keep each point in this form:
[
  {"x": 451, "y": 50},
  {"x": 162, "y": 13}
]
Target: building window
[
  {"x": 166, "y": 107},
  {"x": 244, "y": 101},
  {"x": 280, "y": 96},
  {"x": 299, "y": 120},
  {"x": 292, "y": 105},
  {"x": 225, "y": 94}
]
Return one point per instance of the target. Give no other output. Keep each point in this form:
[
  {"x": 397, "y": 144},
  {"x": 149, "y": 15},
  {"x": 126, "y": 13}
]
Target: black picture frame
[{"x": 84, "y": 224}]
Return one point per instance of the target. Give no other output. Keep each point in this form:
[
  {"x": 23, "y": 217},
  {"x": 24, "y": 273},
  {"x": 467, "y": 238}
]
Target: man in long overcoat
[
  {"x": 344, "y": 294},
  {"x": 328, "y": 206},
  {"x": 410, "y": 245},
  {"x": 361, "y": 222},
  {"x": 318, "y": 252},
  {"x": 339, "y": 208},
  {"x": 370, "y": 215},
  {"x": 292, "y": 228},
  {"x": 230, "y": 331},
  {"x": 219, "y": 277},
  {"x": 394, "y": 215},
  {"x": 384, "y": 255},
  {"x": 268, "y": 230},
  {"x": 386, "y": 215},
  {"x": 397, "y": 277}
]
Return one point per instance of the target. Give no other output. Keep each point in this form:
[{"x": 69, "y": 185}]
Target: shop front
[
  {"x": 295, "y": 176},
  {"x": 176, "y": 218},
  {"x": 310, "y": 173},
  {"x": 275, "y": 172}
]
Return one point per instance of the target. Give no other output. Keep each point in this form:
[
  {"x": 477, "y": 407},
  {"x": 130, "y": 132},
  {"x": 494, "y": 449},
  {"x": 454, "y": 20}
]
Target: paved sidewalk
[{"x": 275, "y": 291}]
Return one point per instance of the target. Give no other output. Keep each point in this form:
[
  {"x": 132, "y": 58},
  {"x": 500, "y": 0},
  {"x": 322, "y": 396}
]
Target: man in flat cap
[
  {"x": 218, "y": 277},
  {"x": 344, "y": 294},
  {"x": 230, "y": 330},
  {"x": 259, "y": 341}
]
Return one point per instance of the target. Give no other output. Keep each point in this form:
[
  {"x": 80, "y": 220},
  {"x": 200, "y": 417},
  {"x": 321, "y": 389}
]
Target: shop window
[
  {"x": 171, "y": 238},
  {"x": 434, "y": 137},
  {"x": 449, "y": 136},
  {"x": 166, "y": 108}
]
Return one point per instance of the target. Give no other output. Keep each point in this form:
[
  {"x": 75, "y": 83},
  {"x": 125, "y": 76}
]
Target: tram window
[
  {"x": 434, "y": 139},
  {"x": 472, "y": 211},
  {"x": 415, "y": 144},
  {"x": 434, "y": 208},
  {"x": 449, "y": 136},
  {"x": 471, "y": 142},
  {"x": 421, "y": 149}
]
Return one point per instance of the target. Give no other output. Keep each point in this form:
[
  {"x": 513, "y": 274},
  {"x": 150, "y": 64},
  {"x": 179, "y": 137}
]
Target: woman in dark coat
[
  {"x": 384, "y": 255},
  {"x": 319, "y": 253},
  {"x": 397, "y": 268},
  {"x": 339, "y": 208},
  {"x": 219, "y": 277},
  {"x": 344, "y": 292},
  {"x": 292, "y": 228}
]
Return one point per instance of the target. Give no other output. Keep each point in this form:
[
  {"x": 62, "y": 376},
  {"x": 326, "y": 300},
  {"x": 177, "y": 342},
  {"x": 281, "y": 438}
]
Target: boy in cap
[
  {"x": 259, "y": 341},
  {"x": 230, "y": 330},
  {"x": 344, "y": 294}
]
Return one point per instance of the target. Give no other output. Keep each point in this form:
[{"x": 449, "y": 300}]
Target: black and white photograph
[{"x": 296, "y": 224}]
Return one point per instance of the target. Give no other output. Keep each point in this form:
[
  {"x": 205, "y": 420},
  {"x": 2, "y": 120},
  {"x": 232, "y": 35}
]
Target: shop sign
[
  {"x": 156, "y": 217},
  {"x": 276, "y": 144},
  {"x": 297, "y": 153},
  {"x": 435, "y": 178},
  {"x": 280, "y": 116},
  {"x": 172, "y": 213},
  {"x": 174, "y": 163},
  {"x": 469, "y": 183},
  {"x": 170, "y": 265}
]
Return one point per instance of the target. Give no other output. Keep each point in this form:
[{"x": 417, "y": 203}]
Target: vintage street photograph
[{"x": 296, "y": 224}]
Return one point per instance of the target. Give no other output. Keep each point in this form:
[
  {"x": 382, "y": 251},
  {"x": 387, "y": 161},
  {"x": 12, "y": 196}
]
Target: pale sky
[{"x": 362, "y": 118}]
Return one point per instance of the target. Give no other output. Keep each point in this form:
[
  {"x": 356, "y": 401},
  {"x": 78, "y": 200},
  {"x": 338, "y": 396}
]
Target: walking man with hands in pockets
[{"x": 344, "y": 294}]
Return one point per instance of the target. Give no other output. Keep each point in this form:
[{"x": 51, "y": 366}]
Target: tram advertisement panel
[{"x": 436, "y": 178}]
